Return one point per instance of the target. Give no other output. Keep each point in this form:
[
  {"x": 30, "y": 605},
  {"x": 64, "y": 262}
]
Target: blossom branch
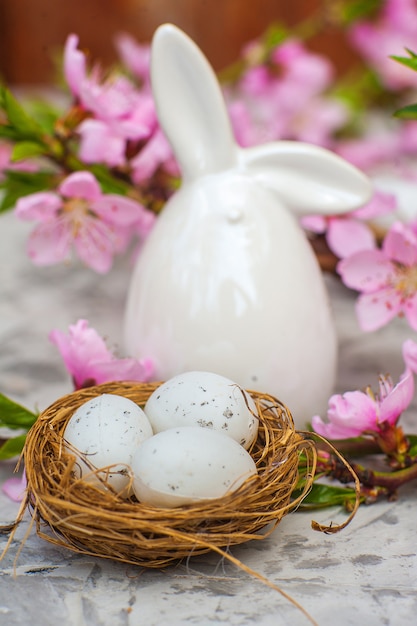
[{"x": 381, "y": 483}]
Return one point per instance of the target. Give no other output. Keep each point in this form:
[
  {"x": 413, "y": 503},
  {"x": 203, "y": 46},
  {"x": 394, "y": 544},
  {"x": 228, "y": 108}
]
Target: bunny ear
[
  {"x": 190, "y": 104},
  {"x": 308, "y": 179}
]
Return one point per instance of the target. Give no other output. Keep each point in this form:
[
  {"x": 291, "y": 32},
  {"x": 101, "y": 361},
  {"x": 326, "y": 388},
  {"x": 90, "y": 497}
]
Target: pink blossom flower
[
  {"x": 356, "y": 413},
  {"x": 410, "y": 355},
  {"x": 156, "y": 153},
  {"x": 15, "y": 487},
  {"x": 286, "y": 99},
  {"x": 74, "y": 65},
  {"x": 312, "y": 71},
  {"x": 97, "y": 225},
  {"x": 390, "y": 34},
  {"x": 99, "y": 144},
  {"x": 380, "y": 146},
  {"x": 136, "y": 57},
  {"x": 347, "y": 234},
  {"x": 387, "y": 279},
  {"x": 120, "y": 112},
  {"x": 90, "y": 362}
]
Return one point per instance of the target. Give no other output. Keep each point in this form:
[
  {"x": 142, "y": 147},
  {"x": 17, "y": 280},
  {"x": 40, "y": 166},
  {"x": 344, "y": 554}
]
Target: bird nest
[{"x": 86, "y": 518}]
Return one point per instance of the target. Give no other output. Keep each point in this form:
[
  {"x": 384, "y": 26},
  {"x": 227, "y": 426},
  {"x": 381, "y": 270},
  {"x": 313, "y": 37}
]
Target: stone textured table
[{"x": 366, "y": 574}]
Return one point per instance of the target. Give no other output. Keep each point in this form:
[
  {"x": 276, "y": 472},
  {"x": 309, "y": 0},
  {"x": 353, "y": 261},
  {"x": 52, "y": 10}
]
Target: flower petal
[
  {"x": 409, "y": 351},
  {"x": 332, "y": 431},
  {"x": 50, "y": 243},
  {"x": 354, "y": 409},
  {"x": 123, "y": 369},
  {"x": 314, "y": 223},
  {"x": 349, "y": 415},
  {"x": 41, "y": 206},
  {"x": 74, "y": 65},
  {"x": 119, "y": 210},
  {"x": 398, "y": 399},
  {"x": 81, "y": 185},
  {"x": 79, "y": 348},
  {"x": 100, "y": 144},
  {"x": 135, "y": 56},
  {"x": 347, "y": 236},
  {"x": 15, "y": 488},
  {"x": 374, "y": 310},
  {"x": 156, "y": 151},
  {"x": 96, "y": 244},
  {"x": 367, "y": 271},
  {"x": 381, "y": 203},
  {"x": 410, "y": 310},
  {"x": 400, "y": 244}
]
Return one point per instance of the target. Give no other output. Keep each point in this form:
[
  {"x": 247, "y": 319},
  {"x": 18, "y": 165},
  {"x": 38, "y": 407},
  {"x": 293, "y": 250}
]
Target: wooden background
[{"x": 32, "y": 30}]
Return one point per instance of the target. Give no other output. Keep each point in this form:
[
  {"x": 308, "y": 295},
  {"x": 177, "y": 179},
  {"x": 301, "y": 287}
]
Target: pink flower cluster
[
  {"x": 119, "y": 115},
  {"x": 286, "y": 98},
  {"x": 374, "y": 147},
  {"x": 393, "y": 32}
]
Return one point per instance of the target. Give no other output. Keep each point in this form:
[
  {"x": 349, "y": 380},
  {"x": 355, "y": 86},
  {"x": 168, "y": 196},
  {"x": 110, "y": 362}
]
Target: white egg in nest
[
  {"x": 185, "y": 465},
  {"x": 106, "y": 431},
  {"x": 207, "y": 400}
]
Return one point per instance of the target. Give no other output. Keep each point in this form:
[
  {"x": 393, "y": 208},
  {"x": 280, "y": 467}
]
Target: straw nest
[{"x": 76, "y": 514}]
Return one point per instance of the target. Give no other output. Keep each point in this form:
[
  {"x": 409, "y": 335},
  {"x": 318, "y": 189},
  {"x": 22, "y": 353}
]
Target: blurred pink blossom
[
  {"x": 154, "y": 154},
  {"x": 356, "y": 413},
  {"x": 287, "y": 100},
  {"x": 410, "y": 355},
  {"x": 15, "y": 487},
  {"x": 393, "y": 32},
  {"x": 347, "y": 234},
  {"x": 120, "y": 112},
  {"x": 386, "y": 278},
  {"x": 90, "y": 362},
  {"x": 135, "y": 56},
  {"x": 97, "y": 225},
  {"x": 384, "y": 145}
]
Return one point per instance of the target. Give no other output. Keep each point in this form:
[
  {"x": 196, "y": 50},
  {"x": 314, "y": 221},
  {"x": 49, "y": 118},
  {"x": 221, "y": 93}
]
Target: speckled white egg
[
  {"x": 188, "y": 464},
  {"x": 207, "y": 400},
  {"x": 106, "y": 431}
]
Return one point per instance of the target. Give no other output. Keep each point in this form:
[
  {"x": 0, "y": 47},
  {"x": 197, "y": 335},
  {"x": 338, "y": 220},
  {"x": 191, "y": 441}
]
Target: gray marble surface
[{"x": 366, "y": 574}]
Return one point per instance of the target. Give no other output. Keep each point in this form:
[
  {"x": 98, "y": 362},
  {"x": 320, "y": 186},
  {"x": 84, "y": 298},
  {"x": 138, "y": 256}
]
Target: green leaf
[
  {"x": 358, "y": 10},
  {"x": 14, "y": 415},
  {"x": 322, "y": 495},
  {"x": 18, "y": 184},
  {"x": 413, "y": 445},
  {"x": 108, "y": 183},
  {"x": 12, "y": 447},
  {"x": 9, "y": 133},
  {"x": 45, "y": 113},
  {"x": 410, "y": 61},
  {"x": 274, "y": 36},
  {"x": 409, "y": 112},
  {"x": 18, "y": 119},
  {"x": 27, "y": 149}
]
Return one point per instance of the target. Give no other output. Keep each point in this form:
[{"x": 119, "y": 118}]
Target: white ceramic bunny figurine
[{"x": 227, "y": 281}]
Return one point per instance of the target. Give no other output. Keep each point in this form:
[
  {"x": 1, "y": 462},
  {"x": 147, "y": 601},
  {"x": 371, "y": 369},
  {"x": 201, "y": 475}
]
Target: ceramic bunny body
[{"x": 226, "y": 281}]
